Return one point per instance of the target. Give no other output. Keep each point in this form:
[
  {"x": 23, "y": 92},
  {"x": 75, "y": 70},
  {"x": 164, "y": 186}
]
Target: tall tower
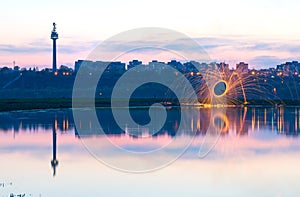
[{"x": 54, "y": 37}]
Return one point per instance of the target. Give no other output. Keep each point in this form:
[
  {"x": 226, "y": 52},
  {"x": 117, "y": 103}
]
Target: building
[
  {"x": 175, "y": 64},
  {"x": 289, "y": 68},
  {"x": 223, "y": 68},
  {"x": 242, "y": 68},
  {"x": 79, "y": 63},
  {"x": 191, "y": 66},
  {"x": 133, "y": 63},
  {"x": 155, "y": 65},
  {"x": 91, "y": 66},
  {"x": 115, "y": 67}
]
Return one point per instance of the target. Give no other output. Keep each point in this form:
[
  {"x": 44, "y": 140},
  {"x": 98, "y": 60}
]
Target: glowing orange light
[
  {"x": 221, "y": 123},
  {"x": 225, "y": 91}
]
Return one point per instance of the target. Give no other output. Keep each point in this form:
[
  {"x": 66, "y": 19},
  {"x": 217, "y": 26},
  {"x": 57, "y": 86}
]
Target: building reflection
[{"x": 232, "y": 121}]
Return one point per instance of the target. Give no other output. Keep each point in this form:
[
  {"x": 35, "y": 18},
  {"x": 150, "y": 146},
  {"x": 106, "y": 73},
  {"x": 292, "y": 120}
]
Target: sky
[{"x": 263, "y": 33}]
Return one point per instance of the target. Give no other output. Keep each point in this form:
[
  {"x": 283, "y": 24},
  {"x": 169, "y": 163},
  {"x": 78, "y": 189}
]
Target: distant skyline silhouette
[{"x": 259, "y": 53}]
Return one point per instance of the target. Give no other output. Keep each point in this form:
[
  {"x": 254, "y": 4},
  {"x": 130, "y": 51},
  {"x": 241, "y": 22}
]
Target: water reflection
[
  {"x": 260, "y": 136},
  {"x": 235, "y": 121},
  {"x": 54, "y": 162}
]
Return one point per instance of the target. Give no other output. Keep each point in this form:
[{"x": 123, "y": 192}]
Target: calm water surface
[{"x": 257, "y": 154}]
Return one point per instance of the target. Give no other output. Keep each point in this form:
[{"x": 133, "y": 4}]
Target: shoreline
[{"x": 60, "y": 103}]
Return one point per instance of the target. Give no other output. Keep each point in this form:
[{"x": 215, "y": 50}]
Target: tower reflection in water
[
  {"x": 54, "y": 162},
  {"x": 64, "y": 127}
]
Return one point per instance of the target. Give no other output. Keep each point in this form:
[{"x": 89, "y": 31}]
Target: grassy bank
[
  {"x": 36, "y": 103},
  {"x": 52, "y": 103}
]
